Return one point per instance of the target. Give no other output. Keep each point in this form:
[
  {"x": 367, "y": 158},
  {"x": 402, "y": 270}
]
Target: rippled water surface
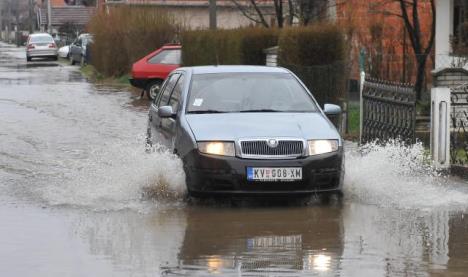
[{"x": 79, "y": 196}]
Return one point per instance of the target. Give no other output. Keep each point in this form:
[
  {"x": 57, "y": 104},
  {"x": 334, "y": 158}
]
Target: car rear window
[
  {"x": 41, "y": 39},
  {"x": 166, "y": 57}
]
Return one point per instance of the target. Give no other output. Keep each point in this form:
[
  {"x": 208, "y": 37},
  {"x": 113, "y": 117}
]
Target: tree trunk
[{"x": 420, "y": 75}]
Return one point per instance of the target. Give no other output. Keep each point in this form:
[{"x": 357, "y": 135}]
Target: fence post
[
  {"x": 361, "y": 108},
  {"x": 440, "y": 127}
]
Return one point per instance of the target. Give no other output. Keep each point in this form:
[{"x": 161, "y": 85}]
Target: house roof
[{"x": 78, "y": 15}]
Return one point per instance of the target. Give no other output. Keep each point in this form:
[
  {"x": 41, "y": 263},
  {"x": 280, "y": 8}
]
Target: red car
[{"x": 150, "y": 72}]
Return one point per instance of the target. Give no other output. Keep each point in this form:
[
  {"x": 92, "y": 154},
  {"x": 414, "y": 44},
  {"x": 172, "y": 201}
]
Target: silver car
[
  {"x": 247, "y": 130},
  {"x": 41, "y": 46}
]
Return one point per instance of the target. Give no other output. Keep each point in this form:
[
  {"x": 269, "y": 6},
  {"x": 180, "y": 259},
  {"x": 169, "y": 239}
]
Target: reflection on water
[
  {"x": 317, "y": 240},
  {"x": 255, "y": 240}
]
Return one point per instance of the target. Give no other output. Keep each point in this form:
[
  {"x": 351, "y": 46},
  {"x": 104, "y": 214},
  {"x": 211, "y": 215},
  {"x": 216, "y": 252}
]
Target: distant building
[
  {"x": 64, "y": 12},
  {"x": 76, "y": 15},
  {"x": 195, "y": 13}
]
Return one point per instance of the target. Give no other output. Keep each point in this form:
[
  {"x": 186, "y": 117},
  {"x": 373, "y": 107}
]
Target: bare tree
[
  {"x": 284, "y": 11},
  {"x": 411, "y": 18}
]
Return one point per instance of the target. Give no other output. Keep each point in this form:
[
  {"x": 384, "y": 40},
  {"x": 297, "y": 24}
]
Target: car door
[
  {"x": 159, "y": 131},
  {"x": 169, "y": 125}
]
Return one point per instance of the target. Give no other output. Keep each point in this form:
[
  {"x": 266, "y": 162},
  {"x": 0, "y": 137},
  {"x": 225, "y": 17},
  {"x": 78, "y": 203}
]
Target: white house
[{"x": 449, "y": 16}]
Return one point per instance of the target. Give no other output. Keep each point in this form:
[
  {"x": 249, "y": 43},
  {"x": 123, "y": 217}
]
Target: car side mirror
[
  {"x": 166, "y": 112},
  {"x": 331, "y": 109}
]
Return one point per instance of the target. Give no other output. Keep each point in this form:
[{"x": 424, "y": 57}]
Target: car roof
[
  {"x": 235, "y": 69},
  {"x": 171, "y": 46}
]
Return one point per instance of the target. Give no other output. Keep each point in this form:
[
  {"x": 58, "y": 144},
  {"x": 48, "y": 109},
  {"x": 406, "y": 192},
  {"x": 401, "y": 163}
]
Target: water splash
[
  {"x": 400, "y": 176},
  {"x": 119, "y": 177}
]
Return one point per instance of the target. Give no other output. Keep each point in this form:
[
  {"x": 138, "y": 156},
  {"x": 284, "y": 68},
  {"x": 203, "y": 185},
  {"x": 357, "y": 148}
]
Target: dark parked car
[
  {"x": 247, "y": 130},
  {"x": 77, "y": 52},
  {"x": 149, "y": 72}
]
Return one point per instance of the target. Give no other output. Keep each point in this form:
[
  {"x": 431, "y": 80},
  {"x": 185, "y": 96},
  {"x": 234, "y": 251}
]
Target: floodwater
[{"x": 80, "y": 197}]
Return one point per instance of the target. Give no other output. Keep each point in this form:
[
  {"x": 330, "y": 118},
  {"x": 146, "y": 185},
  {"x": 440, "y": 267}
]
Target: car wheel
[
  {"x": 72, "y": 61},
  {"x": 327, "y": 197},
  {"x": 153, "y": 88},
  {"x": 56, "y": 58},
  {"x": 188, "y": 181}
]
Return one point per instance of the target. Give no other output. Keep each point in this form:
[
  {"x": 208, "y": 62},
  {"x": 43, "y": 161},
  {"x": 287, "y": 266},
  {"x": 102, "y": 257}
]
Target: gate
[
  {"x": 459, "y": 125},
  {"x": 388, "y": 111}
]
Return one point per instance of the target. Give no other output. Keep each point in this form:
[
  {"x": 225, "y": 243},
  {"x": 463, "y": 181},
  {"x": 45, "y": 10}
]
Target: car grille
[{"x": 260, "y": 148}]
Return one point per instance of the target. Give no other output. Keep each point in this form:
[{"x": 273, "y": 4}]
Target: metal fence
[
  {"x": 388, "y": 111},
  {"x": 459, "y": 125}
]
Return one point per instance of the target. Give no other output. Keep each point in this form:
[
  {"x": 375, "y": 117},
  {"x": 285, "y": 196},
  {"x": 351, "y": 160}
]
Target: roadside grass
[
  {"x": 353, "y": 121},
  {"x": 90, "y": 72}
]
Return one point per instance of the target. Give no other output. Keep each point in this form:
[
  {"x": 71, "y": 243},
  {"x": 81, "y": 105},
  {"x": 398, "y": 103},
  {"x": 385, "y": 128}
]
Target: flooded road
[{"x": 80, "y": 197}]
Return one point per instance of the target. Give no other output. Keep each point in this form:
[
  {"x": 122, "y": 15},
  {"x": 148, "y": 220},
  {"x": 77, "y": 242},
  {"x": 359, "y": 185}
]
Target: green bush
[
  {"x": 228, "y": 47},
  {"x": 125, "y": 34},
  {"x": 319, "y": 44}
]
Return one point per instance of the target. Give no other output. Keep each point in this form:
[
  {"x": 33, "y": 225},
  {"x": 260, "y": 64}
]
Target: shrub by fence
[
  {"x": 228, "y": 47},
  {"x": 317, "y": 55},
  {"x": 125, "y": 34}
]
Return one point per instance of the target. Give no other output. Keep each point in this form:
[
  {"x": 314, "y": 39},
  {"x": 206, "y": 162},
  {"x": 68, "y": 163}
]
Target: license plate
[{"x": 274, "y": 173}]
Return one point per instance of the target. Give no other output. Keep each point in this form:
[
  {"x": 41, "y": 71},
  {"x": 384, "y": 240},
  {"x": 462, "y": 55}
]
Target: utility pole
[
  {"x": 31, "y": 17},
  {"x": 49, "y": 17},
  {"x": 9, "y": 21},
  {"x": 212, "y": 7}
]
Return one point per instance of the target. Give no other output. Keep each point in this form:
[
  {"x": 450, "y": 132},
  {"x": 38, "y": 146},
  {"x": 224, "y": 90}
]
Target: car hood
[{"x": 233, "y": 126}]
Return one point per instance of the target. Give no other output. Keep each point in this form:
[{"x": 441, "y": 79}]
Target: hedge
[
  {"x": 237, "y": 46},
  {"x": 319, "y": 44},
  {"x": 317, "y": 55},
  {"x": 125, "y": 34}
]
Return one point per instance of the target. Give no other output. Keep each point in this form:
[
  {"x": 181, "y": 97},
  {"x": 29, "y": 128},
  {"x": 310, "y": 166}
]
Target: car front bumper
[{"x": 209, "y": 174}]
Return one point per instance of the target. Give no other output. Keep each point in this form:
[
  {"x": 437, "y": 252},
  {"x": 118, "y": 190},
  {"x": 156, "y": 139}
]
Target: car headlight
[
  {"x": 217, "y": 148},
  {"x": 317, "y": 147}
]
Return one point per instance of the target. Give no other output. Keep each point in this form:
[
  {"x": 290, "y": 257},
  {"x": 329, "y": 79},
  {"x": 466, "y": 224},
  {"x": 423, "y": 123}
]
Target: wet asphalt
[{"x": 79, "y": 196}]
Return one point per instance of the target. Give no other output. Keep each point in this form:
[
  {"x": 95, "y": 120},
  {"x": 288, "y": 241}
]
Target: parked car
[
  {"x": 40, "y": 45},
  {"x": 78, "y": 49},
  {"x": 64, "y": 51},
  {"x": 149, "y": 72},
  {"x": 247, "y": 130}
]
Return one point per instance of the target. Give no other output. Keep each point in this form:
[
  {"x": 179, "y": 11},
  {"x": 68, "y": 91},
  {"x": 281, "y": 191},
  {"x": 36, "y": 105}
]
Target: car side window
[
  {"x": 166, "y": 57},
  {"x": 176, "y": 94},
  {"x": 165, "y": 94}
]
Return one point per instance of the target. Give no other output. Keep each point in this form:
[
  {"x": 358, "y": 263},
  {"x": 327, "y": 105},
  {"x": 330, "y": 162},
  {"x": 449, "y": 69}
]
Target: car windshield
[
  {"x": 41, "y": 39},
  {"x": 248, "y": 92}
]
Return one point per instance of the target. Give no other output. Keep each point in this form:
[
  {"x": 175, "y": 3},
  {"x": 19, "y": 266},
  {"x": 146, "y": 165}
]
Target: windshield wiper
[
  {"x": 261, "y": 111},
  {"x": 206, "y": 111}
]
